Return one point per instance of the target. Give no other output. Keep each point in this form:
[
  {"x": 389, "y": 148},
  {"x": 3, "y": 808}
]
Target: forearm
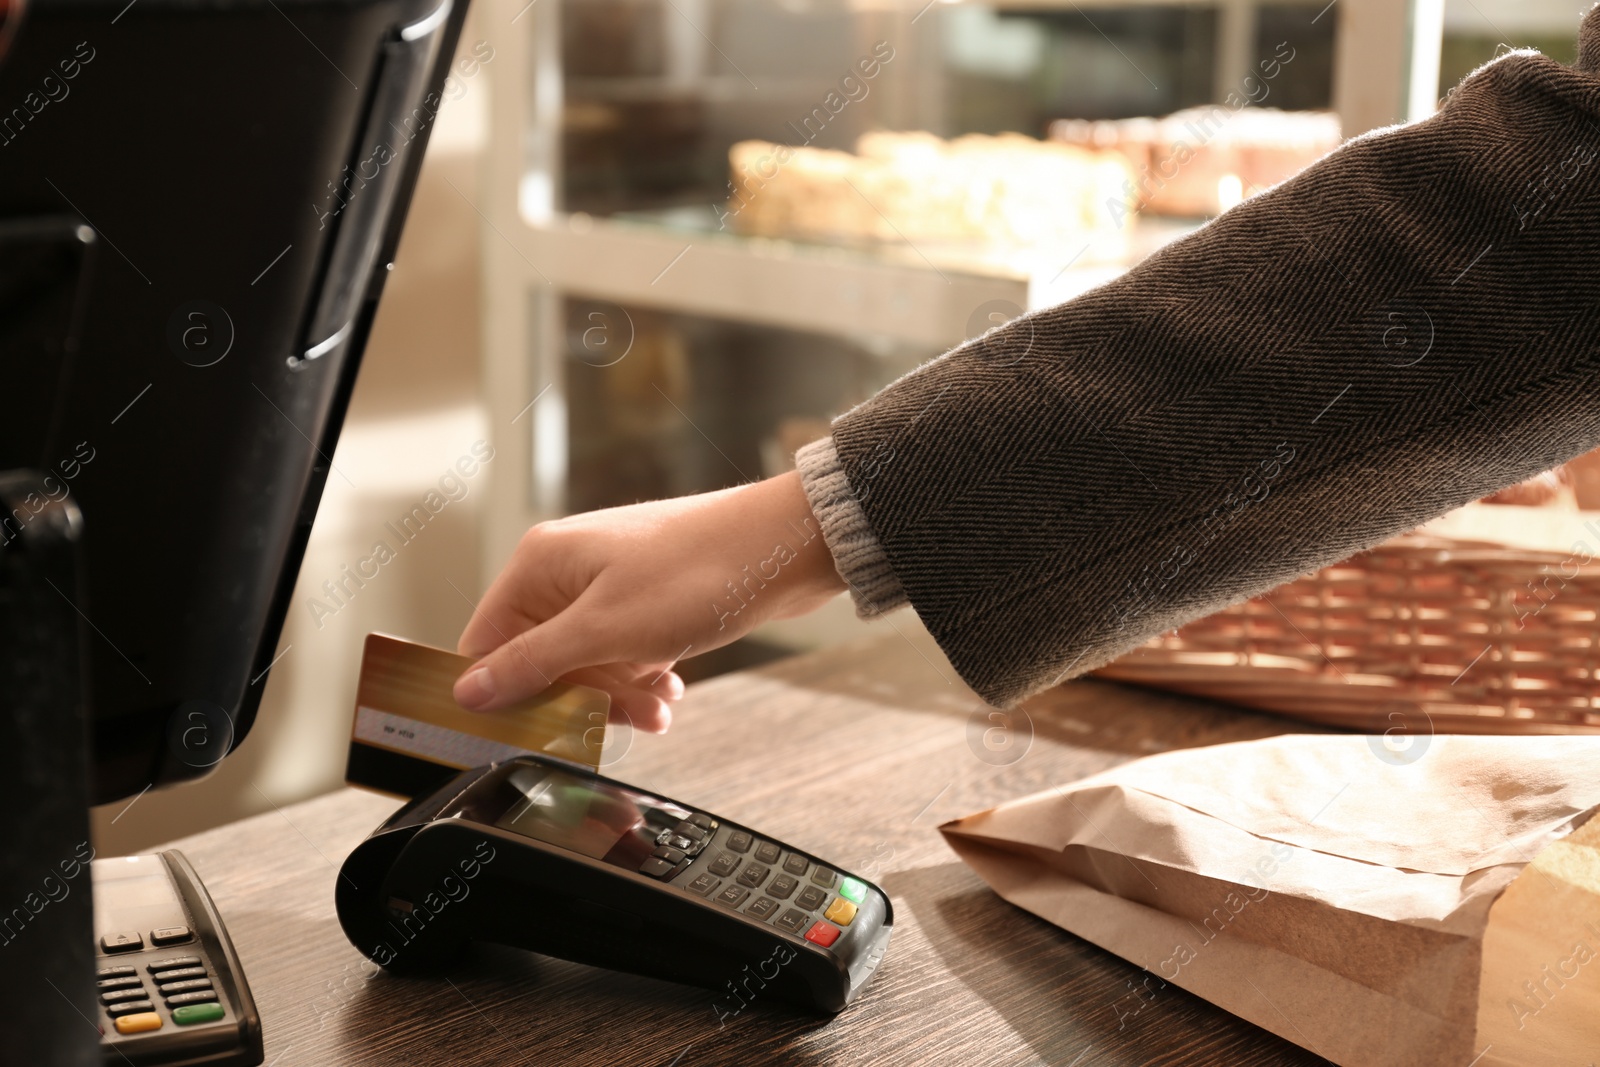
[{"x": 1239, "y": 410}]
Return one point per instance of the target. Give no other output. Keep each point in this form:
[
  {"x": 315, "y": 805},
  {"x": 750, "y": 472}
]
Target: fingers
[
  {"x": 641, "y": 708},
  {"x": 639, "y": 692},
  {"x": 495, "y": 620},
  {"x": 550, "y": 615},
  {"x": 531, "y": 661},
  {"x": 657, "y": 721},
  {"x": 529, "y": 590},
  {"x": 668, "y": 686},
  {"x": 658, "y": 678}
]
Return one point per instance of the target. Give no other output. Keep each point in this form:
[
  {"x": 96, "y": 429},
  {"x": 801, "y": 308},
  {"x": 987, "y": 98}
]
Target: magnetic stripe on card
[{"x": 437, "y": 743}]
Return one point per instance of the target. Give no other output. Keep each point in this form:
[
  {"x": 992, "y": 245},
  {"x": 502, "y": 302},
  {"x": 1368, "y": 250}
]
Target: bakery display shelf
[
  {"x": 680, "y": 260},
  {"x": 706, "y": 88},
  {"x": 1059, "y": 5}
]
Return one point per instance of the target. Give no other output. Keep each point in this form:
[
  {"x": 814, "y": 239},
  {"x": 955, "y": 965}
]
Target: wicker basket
[{"x": 1485, "y": 622}]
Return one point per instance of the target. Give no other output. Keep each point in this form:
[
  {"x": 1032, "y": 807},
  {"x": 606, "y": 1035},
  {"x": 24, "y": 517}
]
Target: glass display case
[{"x": 713, "y": 224}]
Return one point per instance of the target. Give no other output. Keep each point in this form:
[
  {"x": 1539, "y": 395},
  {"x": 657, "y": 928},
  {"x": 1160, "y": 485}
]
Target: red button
[{"x": 823, "y": 933}]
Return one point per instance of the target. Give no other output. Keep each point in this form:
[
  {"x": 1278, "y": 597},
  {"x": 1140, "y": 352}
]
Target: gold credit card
[{"x": 410, "y": 736}]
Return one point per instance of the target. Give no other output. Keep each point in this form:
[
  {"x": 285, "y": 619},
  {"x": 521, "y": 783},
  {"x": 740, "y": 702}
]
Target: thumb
[{"x": 531, "y": 662}]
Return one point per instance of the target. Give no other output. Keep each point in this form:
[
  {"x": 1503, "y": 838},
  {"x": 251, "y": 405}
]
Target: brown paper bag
[{"x": 1334, "y": 890}]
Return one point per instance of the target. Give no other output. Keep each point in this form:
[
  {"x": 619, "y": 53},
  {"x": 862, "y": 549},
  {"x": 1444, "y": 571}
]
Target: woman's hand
[{"x": 612, "y": 599}]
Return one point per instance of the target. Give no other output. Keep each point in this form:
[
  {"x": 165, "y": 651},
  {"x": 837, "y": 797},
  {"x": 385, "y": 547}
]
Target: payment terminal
[
  {"x": 170, "y": 988},
  {"x": 542, "y": 854}
]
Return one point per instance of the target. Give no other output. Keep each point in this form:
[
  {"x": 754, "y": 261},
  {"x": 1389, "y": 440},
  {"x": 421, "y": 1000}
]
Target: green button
[
  {"x": 853, "y": 890},
  {"x": 190, "y": 1014}
]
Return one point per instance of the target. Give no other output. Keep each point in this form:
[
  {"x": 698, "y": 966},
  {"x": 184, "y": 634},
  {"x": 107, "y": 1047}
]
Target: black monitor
[
  {"x": 198, "y": 206},
  {"x": 199, "y": 202}
]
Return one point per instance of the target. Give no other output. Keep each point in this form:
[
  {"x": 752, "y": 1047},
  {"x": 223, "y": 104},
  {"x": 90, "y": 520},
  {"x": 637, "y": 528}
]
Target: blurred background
[{"x": 657, "y": 244}]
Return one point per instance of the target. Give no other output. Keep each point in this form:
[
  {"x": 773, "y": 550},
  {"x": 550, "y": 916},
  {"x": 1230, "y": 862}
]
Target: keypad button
[
  {"x": 754, "y": 874},
  {"x": 811, "y": 898},
  {"x": 129, "y": 942},
  {"x": 690, "y": 830},
  {"x": 170, "y": 935},
  {"x": 656, "y": 868},
  {"x": 796, "y": 865},
  {"x": 132, "y": 981},
  {"x": 823, "y": 934},
  {"x": 679, "y": 841},
  {"x": 724, "y": 864},
  {"x": 823, "y": 877},
  {"x": 173, "y": 974},
  {"x": 197, "y": 997},
  {"x": 793, "y": 920},
  {"x": 733, "y": 896},
  {"x": 853, "y": 890},
  {"x": 767, "y": 852},
  {"x": 116, "y": 972},
  {"x": 705, "y": 822},
  {"x": 740, "y": 841},
  {"x": 841, "y": 911},
  {"x": 781, "y": 886},
  {"x": 172, "y": 961},
  {"x": 141, "y": 1023},
  {"x": 189, "y": 985},
  {"x": 670, "y": 854},
  {"x": 111, "y": 996},
  {"x": 763, "y": 908},
  {"x": 191, "y": 1014},
  {"x": 704, "y": 883},
  {"x": 129, "y": 1007}
]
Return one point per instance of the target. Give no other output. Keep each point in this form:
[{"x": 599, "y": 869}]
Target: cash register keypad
[
  {"x": 763, "y": 908},
  {"x": 733, "y": 896},
  {"x": 811, "y": 898},
  {"x": 689, "y": 835},
  {"x": 823, "y": 934},
  {"x": 794, "y": 920},
  {"x": 121, "y": 942},
  {"x": 795, "y": 897},
  {"x": 184, "y": 980},
  {"x": 704, "y": 883},
  {"x": 181, "y": 983}
]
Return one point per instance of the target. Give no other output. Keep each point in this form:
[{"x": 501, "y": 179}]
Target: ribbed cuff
[{"x": 857, "y": 555}]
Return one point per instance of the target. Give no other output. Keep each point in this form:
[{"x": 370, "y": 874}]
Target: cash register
[{"x": 199, "y": 204}]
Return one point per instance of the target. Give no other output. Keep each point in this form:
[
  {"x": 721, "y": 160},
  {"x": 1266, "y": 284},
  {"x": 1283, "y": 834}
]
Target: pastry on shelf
[
  {"x": 1200, "y": 161},
  {"x": 922, "y": 189}
]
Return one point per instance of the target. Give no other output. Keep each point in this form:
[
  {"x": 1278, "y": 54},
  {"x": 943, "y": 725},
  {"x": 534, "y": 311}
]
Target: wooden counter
[{"x": 855, "y": 753}]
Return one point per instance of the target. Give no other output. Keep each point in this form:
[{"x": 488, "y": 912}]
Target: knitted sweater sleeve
[{"x": 1405, "y": 326}]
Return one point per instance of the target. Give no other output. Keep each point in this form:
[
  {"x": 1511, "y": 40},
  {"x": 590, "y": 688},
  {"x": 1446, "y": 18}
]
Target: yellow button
[
  {"x": 138, "y": 1024},
  {"x": 841, "y": 911}
]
